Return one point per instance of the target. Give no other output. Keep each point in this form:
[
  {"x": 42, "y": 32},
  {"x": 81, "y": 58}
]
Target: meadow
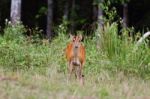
[{"x": 33, "y": 68}]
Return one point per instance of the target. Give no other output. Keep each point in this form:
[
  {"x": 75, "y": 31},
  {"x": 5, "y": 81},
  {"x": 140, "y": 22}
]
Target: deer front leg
[
  {"x": 80, "y": 76},
  {"x": 70, "y": 70}
]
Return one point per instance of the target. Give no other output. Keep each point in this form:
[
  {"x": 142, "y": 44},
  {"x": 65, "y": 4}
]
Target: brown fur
[{"x": 75, "y": 54}]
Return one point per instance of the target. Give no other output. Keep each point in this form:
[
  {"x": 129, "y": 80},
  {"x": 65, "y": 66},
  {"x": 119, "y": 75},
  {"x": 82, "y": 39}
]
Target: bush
[
  {"x": 18, "y": 53},
  {"x": 14, "y": 32}
]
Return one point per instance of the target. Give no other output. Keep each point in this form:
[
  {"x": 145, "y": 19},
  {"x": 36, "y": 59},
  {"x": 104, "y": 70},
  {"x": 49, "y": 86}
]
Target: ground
[{"x": 51, "y": 84}]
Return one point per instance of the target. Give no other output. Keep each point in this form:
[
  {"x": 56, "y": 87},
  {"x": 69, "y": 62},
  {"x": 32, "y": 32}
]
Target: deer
[{"x": 75, "y": 55}]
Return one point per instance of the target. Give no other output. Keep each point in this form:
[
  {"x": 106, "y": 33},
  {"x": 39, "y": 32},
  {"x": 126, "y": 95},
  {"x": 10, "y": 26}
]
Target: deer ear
[
  {"x": 80, "y": 37},
  {"x": 71, "y": 36}
]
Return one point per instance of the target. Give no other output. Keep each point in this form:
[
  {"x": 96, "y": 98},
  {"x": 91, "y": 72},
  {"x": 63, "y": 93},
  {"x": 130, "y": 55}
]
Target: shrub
[{"x": 17, "y": 52}]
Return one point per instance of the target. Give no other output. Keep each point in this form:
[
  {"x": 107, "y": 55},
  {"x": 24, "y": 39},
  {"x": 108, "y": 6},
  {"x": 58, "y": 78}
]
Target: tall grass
[{"x": 120, "y": 50}]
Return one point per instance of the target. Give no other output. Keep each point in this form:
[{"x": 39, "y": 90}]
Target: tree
[
  {"x": 49, "y": 19},
  {"x": 100, "y": 15},
  {"x": 125, "y": 14},
  {"x": 98, "y": 12},
  {"x": 66, "y": 10},
  {"x": 15, "y": 14},
  {"x": 73, "y": 14}
]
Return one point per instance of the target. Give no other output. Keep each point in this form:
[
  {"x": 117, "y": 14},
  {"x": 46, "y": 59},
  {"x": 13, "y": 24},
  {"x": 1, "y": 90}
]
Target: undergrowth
[
  {"x": 115, "y": 53},
  {"x": 122, "y": 52}
]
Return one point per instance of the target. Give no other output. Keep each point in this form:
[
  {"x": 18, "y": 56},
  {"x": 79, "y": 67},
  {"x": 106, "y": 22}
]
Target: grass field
[
  {"x": 32, "y": 68},
  {"x": 51, "y": 84}
]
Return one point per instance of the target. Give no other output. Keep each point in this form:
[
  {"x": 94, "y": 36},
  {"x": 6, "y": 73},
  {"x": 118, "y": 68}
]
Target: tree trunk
[
  {"x": 49, "y": 33},
  {"x": 95, "y": 12},
  {"x": 99, "y": 15},
  {"x": 66, "y": 10},
  {"x": 15, "y": 14},
  {"x": 100, "y": 23},
  {"x": 73, "y": 17},
  {"x": 125, "y": 15}
]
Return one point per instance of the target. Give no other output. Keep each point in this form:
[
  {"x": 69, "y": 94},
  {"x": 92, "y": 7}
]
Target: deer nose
[{"x": 76, "y": 46}]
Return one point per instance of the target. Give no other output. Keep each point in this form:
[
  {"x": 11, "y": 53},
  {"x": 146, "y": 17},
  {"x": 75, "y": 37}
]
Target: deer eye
[
  {"x": 79, "y": 40},
  {"x": 74, "y": 39}
]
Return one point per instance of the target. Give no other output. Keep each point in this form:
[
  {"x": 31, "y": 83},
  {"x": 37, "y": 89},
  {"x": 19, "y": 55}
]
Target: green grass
[
  {"x": 32, "y": 68},
  {"x": 122, "y": 52},
  {"x": 52, "y": 84}
]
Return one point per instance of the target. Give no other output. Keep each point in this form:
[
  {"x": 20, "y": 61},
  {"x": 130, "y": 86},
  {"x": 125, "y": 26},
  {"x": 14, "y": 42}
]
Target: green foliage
[
  {"x": 62, "y": 28},
  {"x": 120, "y": 51},
  {"x": 110, "y": 12},
  {"x": 114, "y": 53},
  {"x": 18, "y": 52},
  {"x": 42, "y": 11},
  {"x": 35, "y": 35},
  {"x": 14, "y": 32}
]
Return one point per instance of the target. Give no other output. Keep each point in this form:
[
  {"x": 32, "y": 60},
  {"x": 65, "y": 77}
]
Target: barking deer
[{"x": 75, "y": 54}]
